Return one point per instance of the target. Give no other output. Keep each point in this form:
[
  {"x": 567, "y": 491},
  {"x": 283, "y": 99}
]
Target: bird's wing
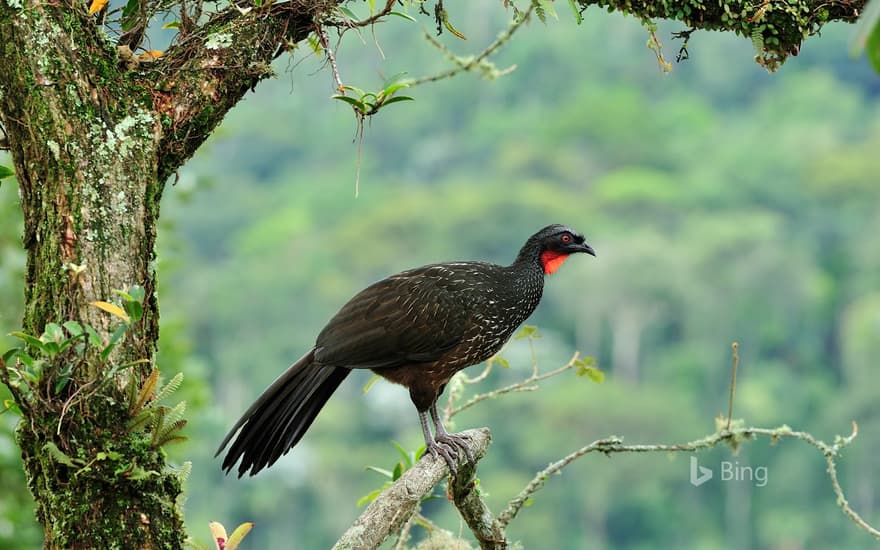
[{"x": 413, "y": 317}]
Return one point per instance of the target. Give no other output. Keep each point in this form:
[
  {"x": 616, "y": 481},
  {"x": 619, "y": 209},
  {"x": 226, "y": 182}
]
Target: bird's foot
[
  {"x": 450, "y": 447},
  {"x": 458, "y": 442}
]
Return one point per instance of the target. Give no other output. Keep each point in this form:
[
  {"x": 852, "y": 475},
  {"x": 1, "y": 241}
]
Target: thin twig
[
  {"x": 349, "y": 24},
  {"x": 334, "y": 68},
  {"x": 527, "y": 384},
  {"x": 473, "y": 62},
  {"x": 735, "y": 347}
]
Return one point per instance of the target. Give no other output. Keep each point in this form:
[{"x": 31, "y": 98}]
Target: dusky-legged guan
[{"x": 416, "y": 328}]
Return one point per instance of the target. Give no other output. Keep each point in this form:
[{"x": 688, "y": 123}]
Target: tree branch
[
  {"x": 209, "y": 70},
  {"x": 733, "y": 437},
  {"x": 776, "y": 28},
  {"x": 390, "y": 511}
]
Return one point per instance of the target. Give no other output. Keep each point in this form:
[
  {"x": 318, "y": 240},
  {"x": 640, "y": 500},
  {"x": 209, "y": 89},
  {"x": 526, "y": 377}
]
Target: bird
[{"x": 417, "y": 329}]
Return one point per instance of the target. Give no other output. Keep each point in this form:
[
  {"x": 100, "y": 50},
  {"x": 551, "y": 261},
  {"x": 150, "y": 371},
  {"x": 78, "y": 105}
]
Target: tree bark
[
  {"x": 93, "y": 138},
  {"x": 84, "y": 144},
  {"x": 390, "y": 511}
]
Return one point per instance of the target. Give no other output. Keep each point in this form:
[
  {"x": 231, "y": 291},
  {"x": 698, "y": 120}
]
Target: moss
[
  {"x": 118, "y": 494},
  {"x": 777, "y": 29}
]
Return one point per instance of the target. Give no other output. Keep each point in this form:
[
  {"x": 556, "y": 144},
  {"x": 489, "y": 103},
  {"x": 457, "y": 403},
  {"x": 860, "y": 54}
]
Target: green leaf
[
  {"x": 6, "y": 172},
  {"x": 369, "y": 497},
  {"x": 408, "y": 458},
  {"x": 397, "y": 99},
  {"x": 68, "y": 342},
  {"x": 398, "y": 78},
  {"x": 9, "y": 405},
  {"x": 123, "y": 293},
  {"x": 347, "y": 13},
  {"x": 872, "y": 48},
  {"x": 74, "y": 328},
  {"x": 375, "y": 378},
  {"x": 527, "y": 331},
  {"x": 134, "y": 309},
  {"x": 137, "y": 292},
  {"x": 129, "y": 13},
  {"x": 117, "y": 334},
  {"x": 52, "y": 349},
  {"x": 94, "y": 339},
  {"x": 504, "y": 363},
  {"x": 315, "y": 44},
  {"x": 399, "y": 468},
  {"x": 9, "y": 354},
  {"x": 577, "y": 12},
  {"x": 171, "y": 25},
  {"x": 586, "y": 361},
  {"x": 25, "y": 358},
  {"x": 357, "y": 104},
  {"x": 403, "y": 15},
  {"x": 61, "y": 383},
  {"x": 169, "y": 388},
  {"x": 58, "y": 455},
  {"x": 592, "y": 373},
  {"x": 137, "y": 473},
  {"x": 52, "y": 333},
  {"x": 28, "y": 339},
  {"x": 380, "y": 471}
]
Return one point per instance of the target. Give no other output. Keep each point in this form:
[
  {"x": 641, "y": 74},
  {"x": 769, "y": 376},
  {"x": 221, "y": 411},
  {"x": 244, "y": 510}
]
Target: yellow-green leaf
[
  {"x": 97, "y": 5},
  {"x": 113, "y": 309},
  {"x": 239, "y": 533}
]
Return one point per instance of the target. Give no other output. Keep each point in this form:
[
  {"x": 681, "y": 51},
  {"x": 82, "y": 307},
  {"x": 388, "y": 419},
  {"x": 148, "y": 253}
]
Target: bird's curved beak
[{"x": 584, "y": 247}]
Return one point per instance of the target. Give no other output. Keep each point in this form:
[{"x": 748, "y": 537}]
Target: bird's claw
[
  {"x": 457, "y": 441},
  {"x": 450, "y": 447}
]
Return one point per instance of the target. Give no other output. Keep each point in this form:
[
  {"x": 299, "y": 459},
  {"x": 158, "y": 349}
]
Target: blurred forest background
[{"x": 724, "y": 204}]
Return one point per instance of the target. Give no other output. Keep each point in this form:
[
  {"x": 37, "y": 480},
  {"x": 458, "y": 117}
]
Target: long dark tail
[{"x": 281, "y": 415}]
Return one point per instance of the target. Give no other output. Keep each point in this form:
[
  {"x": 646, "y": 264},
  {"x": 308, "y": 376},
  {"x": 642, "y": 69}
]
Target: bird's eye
[{"x": 566, "y": 238}]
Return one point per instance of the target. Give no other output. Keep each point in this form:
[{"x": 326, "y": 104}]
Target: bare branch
[
  {"x": 527, "y": 384},
  {"x": 478, "y": 61},
  {"x": 615, "y": 444}
]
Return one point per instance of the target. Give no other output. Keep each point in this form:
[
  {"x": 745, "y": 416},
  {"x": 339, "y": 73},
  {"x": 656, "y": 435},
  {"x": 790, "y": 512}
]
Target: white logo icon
[{"x": 705, "y": 474}]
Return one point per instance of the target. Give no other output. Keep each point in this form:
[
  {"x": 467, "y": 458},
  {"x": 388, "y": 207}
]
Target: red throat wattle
[{"x": 552, "y": 260}]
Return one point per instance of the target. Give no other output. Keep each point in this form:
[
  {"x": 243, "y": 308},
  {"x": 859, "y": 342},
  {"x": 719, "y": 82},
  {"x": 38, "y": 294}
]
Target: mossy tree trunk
[
  {"x": 84, "y": 143},
  {"x": 93, "y": 137}
]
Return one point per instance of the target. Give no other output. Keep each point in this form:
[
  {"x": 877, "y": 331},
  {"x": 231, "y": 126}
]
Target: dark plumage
[{"x": 416, "y": 328}]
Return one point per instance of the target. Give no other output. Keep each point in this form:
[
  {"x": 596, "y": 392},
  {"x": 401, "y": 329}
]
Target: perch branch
[{"x": 389, "y": 512}]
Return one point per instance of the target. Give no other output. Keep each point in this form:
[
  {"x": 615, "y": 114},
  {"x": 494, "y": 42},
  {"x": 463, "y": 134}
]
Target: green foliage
[
  {"x": 867, "y": 36},
  {"x": 68, "y": 348},
  {"x": 369, "y": 103},
  {"x": 587, "y": 367}
]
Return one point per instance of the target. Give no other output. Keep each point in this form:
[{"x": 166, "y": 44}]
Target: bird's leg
[
  {"x": 453, "y": 440},
  {"x": 444, "y": 450}
]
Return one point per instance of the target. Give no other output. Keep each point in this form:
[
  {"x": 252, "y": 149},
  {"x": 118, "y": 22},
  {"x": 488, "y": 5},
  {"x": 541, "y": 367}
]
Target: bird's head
[{"x": 553, "y": 244}]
